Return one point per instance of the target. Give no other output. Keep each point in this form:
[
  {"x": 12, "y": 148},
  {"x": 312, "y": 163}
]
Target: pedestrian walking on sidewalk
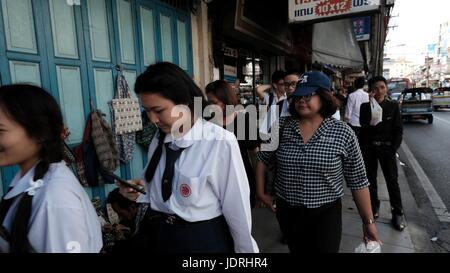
[
  {"x": 354, "y": 101},
  {"x": 314, "y": 155},
  {"x": 281, "y": 108},
  {"x": 45, "y": 209},
  {"x": 380, "y": 143},
  {"x": 221, "y": 93},
  {"x": 273, "y": 93},
  {"x": 271, "y": 96},
  {"x": 290, "y": 82},
  {"x": 197, "y": 189}
]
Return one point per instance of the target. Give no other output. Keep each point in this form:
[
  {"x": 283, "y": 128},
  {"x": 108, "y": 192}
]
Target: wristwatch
[{"x": 369, "y": 221}]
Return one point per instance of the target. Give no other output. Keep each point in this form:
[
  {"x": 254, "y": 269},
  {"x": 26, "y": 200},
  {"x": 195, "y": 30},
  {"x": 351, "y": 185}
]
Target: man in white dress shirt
[
  {"x": 353, "y": 106},
  {"x": 291, "y": 78}
]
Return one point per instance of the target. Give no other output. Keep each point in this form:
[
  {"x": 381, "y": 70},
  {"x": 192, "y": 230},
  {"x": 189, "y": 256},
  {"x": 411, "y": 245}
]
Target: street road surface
[{"x": 430, "y": 144}]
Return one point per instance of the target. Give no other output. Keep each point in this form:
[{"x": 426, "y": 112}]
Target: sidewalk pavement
[{"x": 267, "y": 233}]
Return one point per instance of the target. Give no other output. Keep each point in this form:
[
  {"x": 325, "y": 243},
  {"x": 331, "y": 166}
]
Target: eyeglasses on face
[
  {"x": 290, "y": 84},
  {"x": 306, "y": 98}
]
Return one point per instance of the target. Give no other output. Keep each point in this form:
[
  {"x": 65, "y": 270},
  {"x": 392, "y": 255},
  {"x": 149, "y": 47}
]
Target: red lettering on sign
[{"x": 333, "y": 7}]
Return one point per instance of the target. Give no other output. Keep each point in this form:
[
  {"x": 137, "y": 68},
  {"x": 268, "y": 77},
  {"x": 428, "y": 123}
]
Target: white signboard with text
[{"x": 307, "y": 10}]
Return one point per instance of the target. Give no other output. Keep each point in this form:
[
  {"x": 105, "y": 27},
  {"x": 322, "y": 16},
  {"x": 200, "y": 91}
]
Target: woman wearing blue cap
[{"x": 314, "y": 155}]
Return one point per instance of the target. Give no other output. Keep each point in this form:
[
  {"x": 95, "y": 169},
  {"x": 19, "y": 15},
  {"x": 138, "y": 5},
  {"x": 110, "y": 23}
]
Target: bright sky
[{"x": 418, "y": 25}]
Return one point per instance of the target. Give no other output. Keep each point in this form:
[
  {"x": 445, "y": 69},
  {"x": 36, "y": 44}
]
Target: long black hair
[
  {"x": 223, "y": 91},
  {"x": 171, "y": 82},
  {"x": 39, "y": 114}
]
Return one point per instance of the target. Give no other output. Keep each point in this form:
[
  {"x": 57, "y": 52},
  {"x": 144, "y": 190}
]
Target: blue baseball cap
[{"x": 311, "y": 82}]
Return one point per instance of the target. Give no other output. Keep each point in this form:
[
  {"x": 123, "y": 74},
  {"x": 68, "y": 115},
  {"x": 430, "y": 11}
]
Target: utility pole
[
  {"x": 439, "y": 55},
  {"x": 381, "y": 37},
  {"x": 428, "y": 69}
]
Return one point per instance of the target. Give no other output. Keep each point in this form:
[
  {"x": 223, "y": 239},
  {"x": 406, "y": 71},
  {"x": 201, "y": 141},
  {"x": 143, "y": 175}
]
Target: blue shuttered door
[
  {"x": 72, "y": 51},
  {"x": 100, "y": 59},
  {"x": 22, "y": 55},
  {"x": 128, "y": 48}
]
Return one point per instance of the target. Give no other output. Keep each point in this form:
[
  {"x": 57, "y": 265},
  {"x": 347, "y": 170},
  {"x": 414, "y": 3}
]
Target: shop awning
[{"x": 334, "y": 43}]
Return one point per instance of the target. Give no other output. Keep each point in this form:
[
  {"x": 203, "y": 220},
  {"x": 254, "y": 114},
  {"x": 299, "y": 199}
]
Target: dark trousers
[
  {"x": 156, "y": 235},
  {"x": 386, "y": 156},
  {"x": 317, "y": 230},
  {"x": 355, "y": 129}
]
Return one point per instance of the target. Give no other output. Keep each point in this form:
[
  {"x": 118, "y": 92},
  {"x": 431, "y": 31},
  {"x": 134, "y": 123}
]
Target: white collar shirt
[
  {"x": 209, "y": 180},
  {"x": 63, "y": 219},
  {"x": 337, "y": 115},
  {"x": 276, "y": 98},
  {"x": 353, "y": 106},
  {"x": 273, "y": 114},
  {"x": 285, "y": 109}
]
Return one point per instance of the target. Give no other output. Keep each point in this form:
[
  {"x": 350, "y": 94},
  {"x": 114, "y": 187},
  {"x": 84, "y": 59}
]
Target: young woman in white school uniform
[
  {"x": 45, "y": 208},
  {"x": 201, "y": 204}
]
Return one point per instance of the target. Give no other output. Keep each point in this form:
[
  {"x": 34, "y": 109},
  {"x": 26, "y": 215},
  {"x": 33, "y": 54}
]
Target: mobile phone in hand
[{"x": 122, "y": 181}]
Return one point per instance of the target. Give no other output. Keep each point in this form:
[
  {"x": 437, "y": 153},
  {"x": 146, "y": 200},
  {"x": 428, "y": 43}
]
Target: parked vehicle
[
  {"x": 441, "y": 98},
  {"x": 395, "y": 96},
  {"x": 416, "y": 103},
  {"x": 397, "y": 85}
]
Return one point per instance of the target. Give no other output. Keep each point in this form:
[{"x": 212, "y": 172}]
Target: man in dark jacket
[{"x": 379, "y": 143}]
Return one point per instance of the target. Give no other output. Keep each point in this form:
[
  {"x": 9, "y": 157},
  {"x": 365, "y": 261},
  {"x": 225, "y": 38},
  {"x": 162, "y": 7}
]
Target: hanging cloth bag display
[
  {"x": 104, "y": 142},
  {"x": 87, "y": 163},
  {"x": 125, "y": 109},
  {"x": 126, "y": 116},
  {"x": 144, "y": 137}
]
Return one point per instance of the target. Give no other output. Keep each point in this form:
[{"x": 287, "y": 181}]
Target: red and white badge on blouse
[{"x": 185, "y": 190}]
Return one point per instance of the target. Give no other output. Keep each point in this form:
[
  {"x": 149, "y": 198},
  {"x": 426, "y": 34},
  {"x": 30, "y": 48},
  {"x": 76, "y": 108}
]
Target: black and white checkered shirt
[{"x": 312, "y": 174}]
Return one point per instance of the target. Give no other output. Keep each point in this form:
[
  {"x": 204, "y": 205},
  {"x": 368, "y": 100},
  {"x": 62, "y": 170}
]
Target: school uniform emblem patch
[{"x": 185, "y": 190}]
